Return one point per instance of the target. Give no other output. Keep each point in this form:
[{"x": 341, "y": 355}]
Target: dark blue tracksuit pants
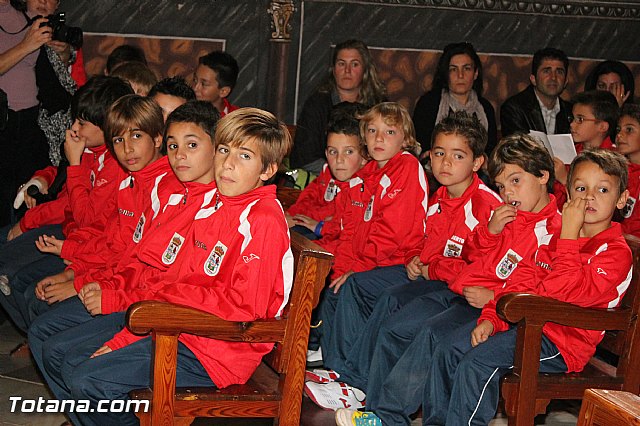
[
  {"x": 344, "y": 314},
  {"x": 22, "y": 304},
  {"x": 463, "y": 386},
  {"x": 399, "y": 394},
  {"x": 388, "y": 310}
]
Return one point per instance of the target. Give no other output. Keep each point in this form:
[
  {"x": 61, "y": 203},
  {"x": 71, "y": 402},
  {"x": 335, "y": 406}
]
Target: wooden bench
[
  {"x": 527, "y": 392},
  {"x": 274, "y": 390},
  {"x": 601, "y": 407}
]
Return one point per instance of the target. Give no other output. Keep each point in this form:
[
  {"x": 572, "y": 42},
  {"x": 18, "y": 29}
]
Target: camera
[{"x": 61, "y": 32}]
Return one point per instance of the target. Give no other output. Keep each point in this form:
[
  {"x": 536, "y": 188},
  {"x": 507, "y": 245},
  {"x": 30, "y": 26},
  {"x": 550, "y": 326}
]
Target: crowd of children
[{"x": 166, "y": 197}]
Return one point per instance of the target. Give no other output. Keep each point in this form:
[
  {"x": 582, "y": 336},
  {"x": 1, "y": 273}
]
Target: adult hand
[
  {"x": 62, "y": 49},
  {"x": 36, "y": 35},
  {"x": 617, "y": 90},
  {"x": 501, "y": 216}
]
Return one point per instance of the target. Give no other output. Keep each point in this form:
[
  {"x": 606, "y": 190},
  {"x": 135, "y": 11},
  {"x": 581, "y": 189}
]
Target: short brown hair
[
  {"x": 610, "y": 162},
  {"x": 244, "y": 124},
  {"x": 524, "y": 151},
  {"x": 465, "y": 125},
  {"x": 135, "y": 73},
  {"x": 133, "y": 111},
  {"x": 393, "y": 114}
]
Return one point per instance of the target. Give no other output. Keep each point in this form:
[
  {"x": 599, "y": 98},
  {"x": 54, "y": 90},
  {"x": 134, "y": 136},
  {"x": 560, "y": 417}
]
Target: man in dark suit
[{"x": 539, "y": 106}]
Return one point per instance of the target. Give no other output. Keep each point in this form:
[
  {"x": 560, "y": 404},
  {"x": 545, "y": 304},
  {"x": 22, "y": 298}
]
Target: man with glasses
[{"x": 539, "y": 107}]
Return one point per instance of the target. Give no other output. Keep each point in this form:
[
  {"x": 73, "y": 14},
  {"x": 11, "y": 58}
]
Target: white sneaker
[
  {"x": 320, "y": 375},
  {"x": 5, "y": 288},
  {"x": 314, "y": 356},
  {"x": 334, "y": 395}
]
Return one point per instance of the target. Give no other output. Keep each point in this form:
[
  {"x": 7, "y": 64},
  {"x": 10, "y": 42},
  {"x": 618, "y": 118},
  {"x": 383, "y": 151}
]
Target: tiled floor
[{"x": 18, "y": 377}]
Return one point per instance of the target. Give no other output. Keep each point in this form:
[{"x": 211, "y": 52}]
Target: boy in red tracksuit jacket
[
  {"x": 628, "y": 144},
  {"x": 460, "y": 204},
  {"x": 134, "y": 133},
  {"x": 316, "y": 205},
  {"x": 595, "y": 117},
  {"x": 234, "y": 261},
  {"x": 512, "y": 248},
  {"x": 591, "y": 267}
]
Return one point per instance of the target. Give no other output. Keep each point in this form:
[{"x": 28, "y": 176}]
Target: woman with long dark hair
[{"x": 457, "y": 85}]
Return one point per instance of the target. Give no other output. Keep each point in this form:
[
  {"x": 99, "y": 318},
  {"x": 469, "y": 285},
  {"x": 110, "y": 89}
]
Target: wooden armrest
[
  {"x": 536, "y": 309},
  {"x": 171, "y": 319}
]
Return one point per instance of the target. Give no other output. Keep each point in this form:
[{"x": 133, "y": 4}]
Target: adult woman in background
[
  {"x": 614, "y": 77},
  {"x": 457, "y": 85},
  {"x": 352, "y": 78},
  {"x": 23, "y": 145}
]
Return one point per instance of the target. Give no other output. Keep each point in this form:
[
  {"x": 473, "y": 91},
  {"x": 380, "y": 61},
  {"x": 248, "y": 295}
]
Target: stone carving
[
  {"x": 592, "y": 8},
  {"x": 281, "y": 12}
]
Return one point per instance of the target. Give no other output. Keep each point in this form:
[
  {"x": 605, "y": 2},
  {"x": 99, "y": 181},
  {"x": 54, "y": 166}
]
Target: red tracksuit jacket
[
  {"x": 87, "y": 198},
  {"x": 449, "y": 222},
  {"x": 156, "y": 251},
  {"x": 520, "y": 253},
  {"x": 317, "y": 200},
  {"x": 382, "y": 216},
  {"x": 589, "y": 272},
  {"x": 140, "y": 197},
  {"x": 631, "y": 222},
  {"x": 236, "y": 263}
]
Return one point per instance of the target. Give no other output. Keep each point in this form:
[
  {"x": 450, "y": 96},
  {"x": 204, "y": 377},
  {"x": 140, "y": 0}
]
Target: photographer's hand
[
  {"x": 37, "y": 35},
  {"x": 62, "y": 49}
]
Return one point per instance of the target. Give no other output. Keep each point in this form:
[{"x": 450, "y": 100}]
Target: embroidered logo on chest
[
  {"x": 212, "y": 265},
  {"x": 627, "y": 210},
  {"x": 331, "y": 191},
  {"x": 452, "y": 249},
  {"x": 137, "y": 233},
  {"x": 508, "y": 264},
  {"x": 172, "y": 250}
]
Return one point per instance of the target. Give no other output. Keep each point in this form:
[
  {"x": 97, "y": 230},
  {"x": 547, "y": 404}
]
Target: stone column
[{"x": 281, "y": 12}]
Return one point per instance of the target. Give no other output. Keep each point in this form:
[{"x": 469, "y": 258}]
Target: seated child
[
  {"x": 87, "y": 197},
  {"x": 628, "y": 144},
  {"x": 170, "y": 93},
  {"x": 138, "y": 75},
  {"x": 382, "y": 214},
  {"x": 590, "y": 267},
  {"x": 214, "y": 80},
  {"x": 249, "y": 143},
  {"x": 316, "y": 204},
  {"x": 510, "y": 249},
  {"x": 595, "y": 117},
  {"x": 460, "y": 204}
]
